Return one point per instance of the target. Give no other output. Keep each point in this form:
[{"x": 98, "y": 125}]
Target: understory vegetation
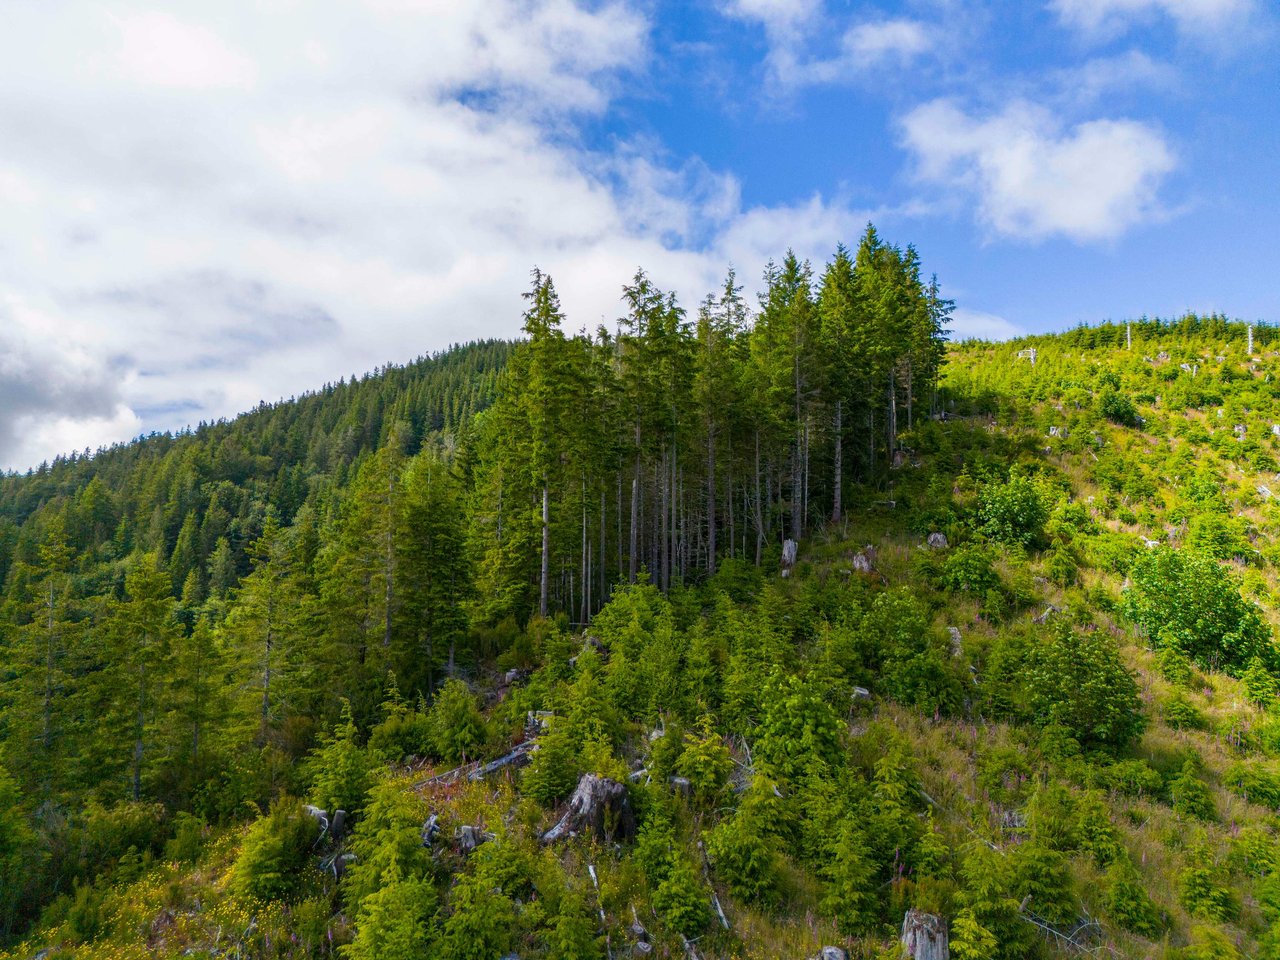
[{"x": 840, "y": 620}]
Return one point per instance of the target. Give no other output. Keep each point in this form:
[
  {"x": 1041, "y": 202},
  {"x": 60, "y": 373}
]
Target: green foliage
[
  {"x": 969, "y": 569},
  {"x": 680, "y": 899},
  {"x": 744, "y": 858},
  {"x": 1118, "y": 408},
  {"x": 1012, "y": 512},
  {"x": 275, "y": 853},
  {"x": 1204, "y": 888},
  {"x": 1076, "y": 680},
  {"x": 395, "y": 922},
  {"x": 456, "y": 725},
  {"x": 1126, "y": 901},
  {"x": 706, "y": 763},
  {"x": 1190, "y": 795},
  {"x": 1189, "y": 602},
  {"x": 341, "y": 771},
  {"x": 554, "y": 770}
]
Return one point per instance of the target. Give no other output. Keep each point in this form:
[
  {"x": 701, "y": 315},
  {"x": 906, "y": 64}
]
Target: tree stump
[
  {"x": 924, "y": 936},
  {"x": 598, "y": 804}
]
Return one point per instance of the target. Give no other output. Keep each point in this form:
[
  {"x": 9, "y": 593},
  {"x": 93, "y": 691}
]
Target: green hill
[{"x": 528, "y": 616}]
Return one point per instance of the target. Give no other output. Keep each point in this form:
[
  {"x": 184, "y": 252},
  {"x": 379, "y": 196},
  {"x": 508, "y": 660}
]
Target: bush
[
  {"x": 1189, "y": 602},
  {"x": 680, "y": 900},
  {"x": 275, "y": 852},
  {"x": 456, "y": 723},
  {"x": 1204, "y": 889},
  {"x": 744, "y": 859},
  {"x": 1077, "y": 680},
  {"x": 1013, "y": 512},
  {"x": 554, "y": 768},
  {"x": 341, "y": 772},
  {"x": 1126, "y": 901},
  {"x": 1117, "y": 408},
  {"x": 969, "y": 569},
  {"x": 188, "y": 839},
  {"x": 1190, "y": 794},
  {"x": 395, "y": 923}
]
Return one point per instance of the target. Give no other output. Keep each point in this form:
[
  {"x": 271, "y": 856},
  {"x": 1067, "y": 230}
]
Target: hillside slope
[{"x": 1051, "y": 727}]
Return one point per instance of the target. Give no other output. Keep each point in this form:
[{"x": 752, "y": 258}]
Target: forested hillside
[{"x": 738, "y": 631}]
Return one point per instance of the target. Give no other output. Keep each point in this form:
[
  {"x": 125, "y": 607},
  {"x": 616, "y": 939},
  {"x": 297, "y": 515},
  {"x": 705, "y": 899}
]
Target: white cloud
[
  {"x": 160, "y": 49},
  {"x": 976, "y": 325},
  {"x": 1113, "y": 16},
  {"x": 791, "y": 30},
  {"x": 887, "y": 38},
  {"x": 1032, "y": 178},
  {"x": 247, "y": 200}
]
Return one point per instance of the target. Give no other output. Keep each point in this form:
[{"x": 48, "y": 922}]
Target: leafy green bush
[
  {"x": 681, "y": 900},
  {"x": 395, "y": 923},
  {"x": 969, "y": 569},
  {"x": 1078, "y": 681},
  {"x": 1126, "y": 901},
  {"x": 341, "y": 771},
  {"x": 1189, "y": 602},
  {"x": 554, "y": 768},
  {"x": 1204, "y": 888},
  {"x": 1013, "y": 512},
  {"x": 1190, "y": 795},
  {"x": 275, "y": 852},
  {"x": 744, "y": 859},
  {"x": 457, "y": 726},
  {"x": 1118, "y": 408}
]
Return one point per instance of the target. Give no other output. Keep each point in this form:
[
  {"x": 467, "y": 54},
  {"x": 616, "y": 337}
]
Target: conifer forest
[{"x": 776, "y": 626}]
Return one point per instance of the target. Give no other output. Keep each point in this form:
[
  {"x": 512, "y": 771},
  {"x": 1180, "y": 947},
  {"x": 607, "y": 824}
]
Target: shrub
[
  {"x": 1126, "y": 901},
  {"x": 744, "y": 859},
  {"x": 395, "y": 923},
  {"x": 681, "y": 900},
  {"x": 341, "y": 772},
  {"x": 969, "y": 569},
  {"x": 1077, "y": 680},
  {"x": 1118, "y": 408},
  {"x": 1189, "y": 602},
  {"x": 457, "y": 727},
  {"x": 275, "y": 852},
  {"x": 1204, "y": 889},
  {"x": 1013, "y": 512},
  {"x": 554, "y": 769},
  {"x": 1190, "y": 794}
]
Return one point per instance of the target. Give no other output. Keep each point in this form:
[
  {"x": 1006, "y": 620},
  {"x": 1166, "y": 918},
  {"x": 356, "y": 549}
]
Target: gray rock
[
  {"x": 957, "y": 642},
  {"x": 937, "y": 541},
  {"x": 833, "y": 953},
  {"x": 861, "y": 693},
  {"x": 924, "y": 936}
]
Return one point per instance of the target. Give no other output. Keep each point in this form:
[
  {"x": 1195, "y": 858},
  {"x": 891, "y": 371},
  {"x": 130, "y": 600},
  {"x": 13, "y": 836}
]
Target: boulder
[
  {"x": 937, "y": 541},
  {"x": 924, "y": 936},
  {"x": 598, "y": 805},
  {"x": 833, "y": 953},
  {"x": 861, "y": 693},
  {"x": 957, "y": 642}
]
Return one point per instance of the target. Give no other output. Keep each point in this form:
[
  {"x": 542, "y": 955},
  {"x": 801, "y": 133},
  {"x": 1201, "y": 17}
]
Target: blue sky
[{"x": 210, "y": 204}]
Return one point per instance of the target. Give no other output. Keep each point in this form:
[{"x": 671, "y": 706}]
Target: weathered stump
[
  {"x": 924, "y": 936},
  {"x": 599, "y": 805}
]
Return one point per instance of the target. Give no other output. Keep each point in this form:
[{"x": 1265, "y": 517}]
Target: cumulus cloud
[
  {"x": 231, "y": 202},
  {"x": 1031, "y": 177},
  {"x": 1113, "y": 16},
  {"x": 792, "y": 28},
  {"x": 968, "y": 324}
]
